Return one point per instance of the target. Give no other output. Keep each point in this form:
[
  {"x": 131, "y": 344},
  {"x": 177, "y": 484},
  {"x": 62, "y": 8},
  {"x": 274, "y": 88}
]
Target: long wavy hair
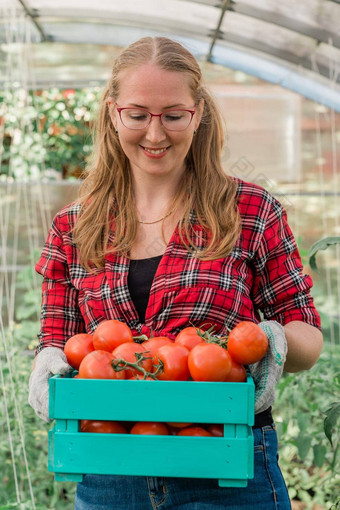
[{"x": 106, "y": 195}]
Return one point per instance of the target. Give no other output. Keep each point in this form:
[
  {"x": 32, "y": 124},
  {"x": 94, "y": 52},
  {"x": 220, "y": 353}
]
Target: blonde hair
[{"x": 106, "y": 194}]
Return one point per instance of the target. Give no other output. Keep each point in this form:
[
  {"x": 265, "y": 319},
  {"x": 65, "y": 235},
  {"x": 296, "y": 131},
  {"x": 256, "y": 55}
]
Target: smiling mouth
[{"x": 155, "y": 151}]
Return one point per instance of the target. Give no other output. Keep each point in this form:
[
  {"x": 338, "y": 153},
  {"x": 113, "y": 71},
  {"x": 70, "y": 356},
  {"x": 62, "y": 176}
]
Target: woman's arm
[{"x": 304, "y": 346}]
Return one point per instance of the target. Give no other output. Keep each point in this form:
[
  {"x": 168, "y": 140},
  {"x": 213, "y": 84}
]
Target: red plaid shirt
[{"x": 263, "y": 273}]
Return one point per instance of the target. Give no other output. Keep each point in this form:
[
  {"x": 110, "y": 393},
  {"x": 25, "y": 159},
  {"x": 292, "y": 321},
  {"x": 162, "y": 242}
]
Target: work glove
[
  {"x": 268, "y": 370},
  {"x": 50, "y": 361}
]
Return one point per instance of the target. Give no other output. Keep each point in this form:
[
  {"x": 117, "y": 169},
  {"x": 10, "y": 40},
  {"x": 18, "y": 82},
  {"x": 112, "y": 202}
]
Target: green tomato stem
[{"x": 121, "y": 364}]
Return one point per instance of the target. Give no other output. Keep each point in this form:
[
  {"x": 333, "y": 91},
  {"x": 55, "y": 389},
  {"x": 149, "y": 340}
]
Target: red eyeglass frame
[{"x": 120, "y": 109}]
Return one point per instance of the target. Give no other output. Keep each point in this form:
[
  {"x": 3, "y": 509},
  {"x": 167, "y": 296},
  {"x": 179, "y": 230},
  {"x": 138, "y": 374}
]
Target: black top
[{"x": 140, "y": 278}]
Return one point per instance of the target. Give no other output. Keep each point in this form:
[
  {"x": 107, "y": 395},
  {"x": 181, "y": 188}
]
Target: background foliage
[
  {"x": 310, "y": 463},
  {"x": 46, "y": 132}
]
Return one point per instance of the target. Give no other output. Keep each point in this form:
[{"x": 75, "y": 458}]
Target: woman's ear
[
  {"x": 199, "y": 113},
  {"x": 112, "y": 111}
]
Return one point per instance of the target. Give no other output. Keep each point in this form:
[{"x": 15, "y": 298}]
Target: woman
[{"x": 161, "y": 237}]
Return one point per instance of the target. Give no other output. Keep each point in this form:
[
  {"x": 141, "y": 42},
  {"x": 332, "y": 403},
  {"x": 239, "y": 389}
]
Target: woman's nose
[{"x": 155, "y": 130}]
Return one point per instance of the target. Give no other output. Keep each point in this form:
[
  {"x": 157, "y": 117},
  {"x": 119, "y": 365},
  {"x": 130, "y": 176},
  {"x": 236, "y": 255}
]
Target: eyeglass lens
[{"x": 175, "y": 120}]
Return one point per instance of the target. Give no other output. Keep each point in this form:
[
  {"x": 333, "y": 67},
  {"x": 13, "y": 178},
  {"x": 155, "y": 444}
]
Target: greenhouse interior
[{"x": 274, "y": 71}]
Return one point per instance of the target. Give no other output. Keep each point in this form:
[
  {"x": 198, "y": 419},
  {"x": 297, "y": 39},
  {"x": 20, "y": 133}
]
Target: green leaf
[
  {"x": 322, "y": 244},
  {"x": 332, "y": 415},
  {"x": 303, "y": 420},
  {"x": 25, "y": 312},
  {"x": 284, "y": 381},
  {"x": 319, "y": 454},
  {"x": 303, "y": 445}
]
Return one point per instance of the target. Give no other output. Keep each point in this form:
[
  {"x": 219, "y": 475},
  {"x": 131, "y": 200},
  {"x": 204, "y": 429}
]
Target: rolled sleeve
[
  {"x": 60, "y": 314},
  {"x": 281, "y": 291}
]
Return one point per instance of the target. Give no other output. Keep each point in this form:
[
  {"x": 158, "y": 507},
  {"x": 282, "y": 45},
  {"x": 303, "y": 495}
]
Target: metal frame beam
[
  {"x": 289, "y": 23},
  {"x": 288, "y": 56},
  {"x": 226, "y": 4},
  {"x": 33, "y": 17},
  {"x": 194, "y": 31}
]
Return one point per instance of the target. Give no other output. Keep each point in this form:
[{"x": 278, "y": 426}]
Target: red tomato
[
  {"x": 175, "y": 362},
  {"x": 194, "y": 431},
  {"x": 237, "y": 373},
  {"x": 127, "y": 352},
  {"x": 150, "y": 428},
  {"x": 154, "y": 343},
  {"x": 110, "y": 334},
  {"x": 189, "y": 337},
  {"x": 209, "y": 362},
  {"x": 98, "y": 365},
  {"x": 247, "y": 343},
  {"x": 104, "y": 427},
  {"x": 77, "y": 347},
  {"x": 178, "y": 425},
  {"x": 216, "y": 429}
]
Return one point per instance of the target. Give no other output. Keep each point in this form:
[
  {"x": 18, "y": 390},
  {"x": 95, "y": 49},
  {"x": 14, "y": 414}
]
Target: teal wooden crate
[{"x": 230, "y": 459}]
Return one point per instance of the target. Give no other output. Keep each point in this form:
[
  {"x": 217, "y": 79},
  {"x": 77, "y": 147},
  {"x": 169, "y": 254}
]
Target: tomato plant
[
  {"x": 77, "y": 347},
  {"x": 247, "y": 343},
  {"x": 102, "y": 426},
  {"x": 150, "y": 428},
  {"x": 174, "y": 361},
  {"x": 189, "y": 337},
  {"x": 209, "y": 362},
  {"x": 194, "y": 431},
  {"x": 109, "y": 334},
  {"x": 129, "y": 352},
  {"x": 237, "y": 373},
  {"x": 98, "y": 365}
]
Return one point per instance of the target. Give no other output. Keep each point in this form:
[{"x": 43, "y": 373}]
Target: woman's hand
[
  {"x": 268, "y": 370},
  {"x": 50, "y": 361},
  {"x": 293, "y": 347}
]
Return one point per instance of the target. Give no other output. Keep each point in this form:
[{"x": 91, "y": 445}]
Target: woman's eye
[
  {"x": 172, "y": 117},
  {"x": 138, "y": 116}
]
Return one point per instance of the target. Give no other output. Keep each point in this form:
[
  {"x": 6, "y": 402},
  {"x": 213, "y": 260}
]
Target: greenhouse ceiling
[{"x": 72, "y": 42}]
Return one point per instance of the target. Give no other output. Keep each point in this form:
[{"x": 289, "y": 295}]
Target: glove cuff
[{"x": 277, "y": 340}]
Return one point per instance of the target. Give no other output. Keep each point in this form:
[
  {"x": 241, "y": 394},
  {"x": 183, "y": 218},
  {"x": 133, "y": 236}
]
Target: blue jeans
[{"x": 266, "y": 491}]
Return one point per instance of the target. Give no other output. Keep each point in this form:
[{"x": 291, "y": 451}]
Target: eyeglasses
[{"x": 173, "y": 120}]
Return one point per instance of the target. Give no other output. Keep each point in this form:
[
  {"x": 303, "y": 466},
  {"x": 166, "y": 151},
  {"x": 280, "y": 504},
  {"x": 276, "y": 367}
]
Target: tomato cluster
[
  {"x": 113, "y": 353},
  {"x": 151, "y": 428},
  {"x": 195, "y": 354}
]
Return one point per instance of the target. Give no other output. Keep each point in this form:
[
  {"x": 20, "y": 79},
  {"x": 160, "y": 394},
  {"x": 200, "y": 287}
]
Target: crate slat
[
  {"x": 187, "y": 401},
  {"x": 126, "y": 454}
]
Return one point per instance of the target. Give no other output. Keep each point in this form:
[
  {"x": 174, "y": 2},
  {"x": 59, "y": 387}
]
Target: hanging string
[
  {"x": 22, "y": 36},
  {"x": 6, "y": 406}
]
